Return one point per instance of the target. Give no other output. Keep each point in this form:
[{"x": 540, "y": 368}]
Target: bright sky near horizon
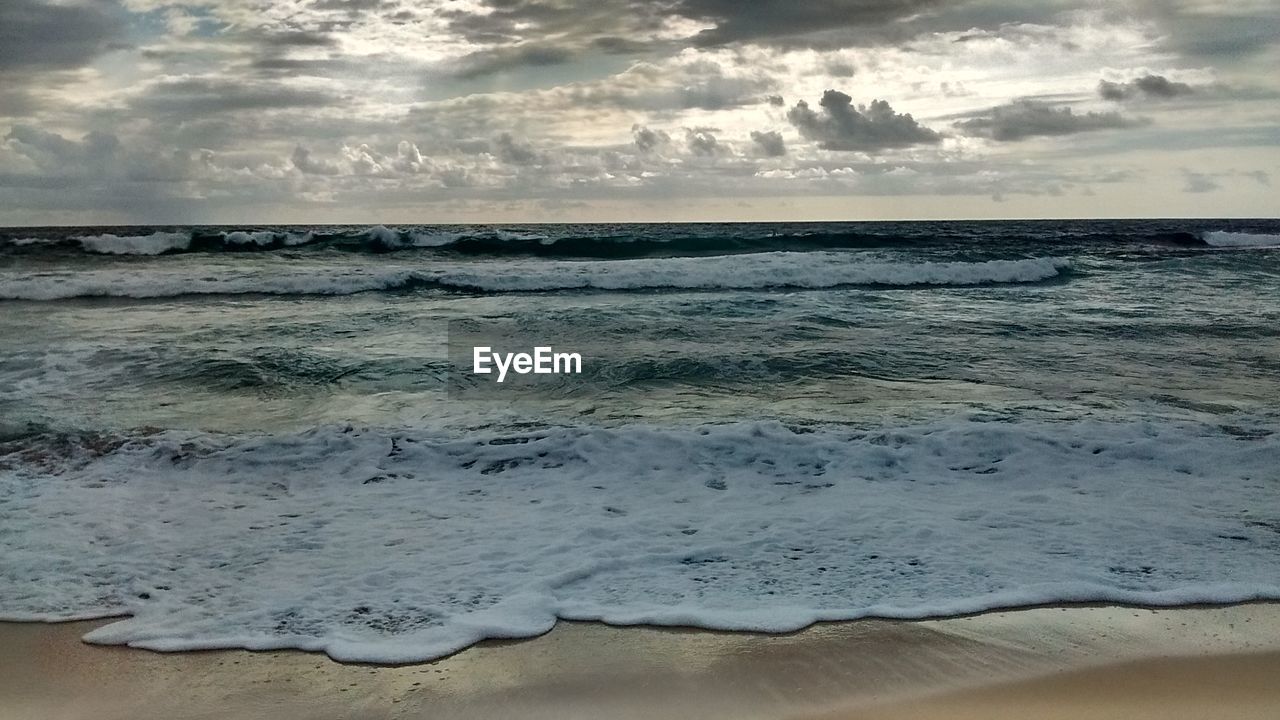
[{"x": 392, "y": 111}]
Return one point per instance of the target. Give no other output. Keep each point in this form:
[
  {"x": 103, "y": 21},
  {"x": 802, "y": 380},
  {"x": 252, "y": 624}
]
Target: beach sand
[
  {"x": 1242, "y": 687},
  {"x": 1050, "y": 662}
]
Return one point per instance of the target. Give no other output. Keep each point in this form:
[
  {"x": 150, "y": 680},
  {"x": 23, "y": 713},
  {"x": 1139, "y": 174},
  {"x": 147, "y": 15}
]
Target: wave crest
[
  {"x": 730, "y": 272},
  {"x": 154, "y": 244},
  {"x": 1220, "y": 238}
]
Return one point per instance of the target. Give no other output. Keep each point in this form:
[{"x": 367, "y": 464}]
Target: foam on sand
[
  {"x": 847, "y": 669},
  {"x": 404, "y": 545}
]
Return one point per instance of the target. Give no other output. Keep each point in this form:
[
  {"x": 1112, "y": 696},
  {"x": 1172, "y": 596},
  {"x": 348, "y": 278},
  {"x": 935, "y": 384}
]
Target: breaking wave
[
  {"x": 729, "y": 272},
  {"x": 163, "y": 243},
  {"x": 1238, "y": 239},
  {"x": 154, "y": 244},
  {"x": 266, "y": 541}
]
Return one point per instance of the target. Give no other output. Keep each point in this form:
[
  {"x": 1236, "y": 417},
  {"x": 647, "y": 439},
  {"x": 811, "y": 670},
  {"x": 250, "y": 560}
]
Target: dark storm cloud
[
  {"x": 285, "y": 66},
  {"x": 838, "y": 125},
  {"x": 567, "y": 21},
  {"x": 841, "y": 69},
  {"x": 16, "y": 102},
  {"x": 40, "y": 35},
  {"x": 601, "y": 24},
  {"x": 1226, "y": 33},
  {"x": 738, "y": 21},
  {"x": 1147, "y": 86},
  {"x": 304, "y": 161},
  {"x": 352, "y": 6},
  {"x": 489, "y": 62},
  {"x": 201, "y": 96},
  {"x": 57, "y": 155},
  {"x": 702, "y": 142},
  {"x": 646, "y": 140},
  {"x": 636, "y": 26},
  {"x": 513, "y": 152},
  {"x": 732, "y": 21},
  {"x": 1030, "y": 118},
  {"x": 770, "y": 143},
  {"x": 612, "y": 45},
  {"x": 100, "y": 156}
]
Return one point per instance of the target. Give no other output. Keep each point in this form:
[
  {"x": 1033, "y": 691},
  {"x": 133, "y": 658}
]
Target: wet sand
[
  {"x": 1077, "y": 662},
  {"x": 1242, "y": 687}
]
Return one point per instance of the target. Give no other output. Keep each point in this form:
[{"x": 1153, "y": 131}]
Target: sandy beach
[{"x": 1077, "y": 662}]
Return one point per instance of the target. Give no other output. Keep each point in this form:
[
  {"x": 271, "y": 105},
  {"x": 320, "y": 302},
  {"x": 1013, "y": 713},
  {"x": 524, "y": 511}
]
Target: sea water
[{"x": 246, "y": 436}]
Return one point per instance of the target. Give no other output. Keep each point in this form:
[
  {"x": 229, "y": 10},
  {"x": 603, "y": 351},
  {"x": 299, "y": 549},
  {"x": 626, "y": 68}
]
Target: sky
[{"x": 392, "y": 111}]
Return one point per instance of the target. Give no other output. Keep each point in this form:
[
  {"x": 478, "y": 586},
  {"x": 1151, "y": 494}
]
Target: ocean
[{"x": 254, "y": 436}]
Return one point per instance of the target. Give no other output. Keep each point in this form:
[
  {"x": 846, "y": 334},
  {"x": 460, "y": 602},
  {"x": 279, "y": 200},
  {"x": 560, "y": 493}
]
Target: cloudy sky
[{"x": 395, "y": 111}]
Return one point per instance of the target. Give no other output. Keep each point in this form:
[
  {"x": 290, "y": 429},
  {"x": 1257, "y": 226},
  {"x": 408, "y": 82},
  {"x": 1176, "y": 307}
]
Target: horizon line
[{"x": 4, "y": 226}]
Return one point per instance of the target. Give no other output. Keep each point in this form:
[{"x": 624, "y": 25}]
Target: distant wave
[
  {"x": 154, "y": 244},
  {"x": 160, "y": 243},
  {"x": 749, "y": 526},
  {"x": 1237, "y": 239},
  {"x": 634, "y": 242},
  {"x": 729, "y": 272},
  {"x": 603, "y": 242},
  {"x": 375, "y": 239},
  {"x": 267, "y": 238}
]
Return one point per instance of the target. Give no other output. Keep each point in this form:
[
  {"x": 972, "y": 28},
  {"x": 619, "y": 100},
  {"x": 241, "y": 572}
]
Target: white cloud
[{"x": 361, "y": 102}]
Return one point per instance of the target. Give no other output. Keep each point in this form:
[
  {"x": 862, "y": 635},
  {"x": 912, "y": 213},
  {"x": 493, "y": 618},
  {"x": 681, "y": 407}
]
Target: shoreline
[
  {"x": 90, "y": 622},
  {"x": 584, "y": 669}
]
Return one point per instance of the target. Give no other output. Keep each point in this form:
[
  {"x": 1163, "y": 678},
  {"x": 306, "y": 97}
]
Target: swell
[{"x": 730, "y": 272}]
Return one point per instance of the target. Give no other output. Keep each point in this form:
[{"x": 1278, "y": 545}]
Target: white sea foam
[
  {"x": 1236, "y": 239},
  {"x": 266, "y": 238},
  {"x": 393, "y": 546},
  {"x": 443, "y": 238},
  {"x": 153, "y": 244},
  {"x": 241, "y": 237},
  {"x": 511, "y": 235},
  {"x": 419, "y": 238},
  {"x": 384, "y": 235},
  {"x": 757, "y": 271}
]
